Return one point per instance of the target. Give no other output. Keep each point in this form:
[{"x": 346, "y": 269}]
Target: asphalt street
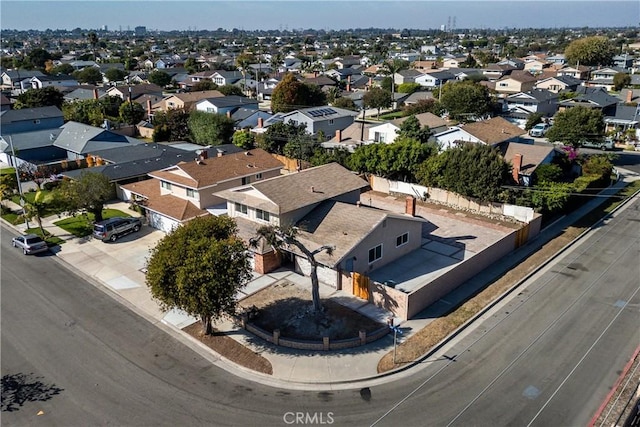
[{"x": 546, "y": 356}]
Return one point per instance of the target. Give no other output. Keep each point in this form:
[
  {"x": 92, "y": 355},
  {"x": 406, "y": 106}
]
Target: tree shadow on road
[{"x": 17, "y": 389}]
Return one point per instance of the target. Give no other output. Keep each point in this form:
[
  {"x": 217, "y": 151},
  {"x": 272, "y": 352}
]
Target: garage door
[{"x": 161, "y": 222}]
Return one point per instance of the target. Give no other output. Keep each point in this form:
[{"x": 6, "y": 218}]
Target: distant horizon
[{"x": 316, "y": 15}]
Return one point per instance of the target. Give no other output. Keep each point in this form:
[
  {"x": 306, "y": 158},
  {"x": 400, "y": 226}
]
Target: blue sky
[{"x": 337, "y": 14}]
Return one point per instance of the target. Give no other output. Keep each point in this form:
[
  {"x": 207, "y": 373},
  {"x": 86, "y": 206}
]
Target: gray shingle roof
[
  {"x": 30, "y": 140},
  {"x": 293, "y": 191},
  {"x": 12, "y": 116},
  {"x": 84, "y": 139}
]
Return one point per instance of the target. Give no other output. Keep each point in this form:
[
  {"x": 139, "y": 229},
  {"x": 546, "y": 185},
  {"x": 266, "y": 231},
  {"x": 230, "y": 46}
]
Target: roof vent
[{"x": 247, "y": 153}]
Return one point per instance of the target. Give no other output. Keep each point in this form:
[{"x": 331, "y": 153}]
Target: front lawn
[
  {"x": 47, "y": 237},
  {"x": 82, "y": 225}
]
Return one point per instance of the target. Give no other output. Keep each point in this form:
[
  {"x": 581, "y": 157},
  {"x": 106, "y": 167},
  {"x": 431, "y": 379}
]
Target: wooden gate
[
  {"x": 361, "y": 286},
  {"x": 522, "y": 236}
]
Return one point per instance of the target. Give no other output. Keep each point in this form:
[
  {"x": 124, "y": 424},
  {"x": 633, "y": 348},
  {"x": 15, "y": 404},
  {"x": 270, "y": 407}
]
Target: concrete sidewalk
[{"x": 122, "y": 272}]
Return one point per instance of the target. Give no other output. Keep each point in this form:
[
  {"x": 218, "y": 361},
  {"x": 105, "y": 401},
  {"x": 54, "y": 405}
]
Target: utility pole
[{"x": 15, "y": 166}]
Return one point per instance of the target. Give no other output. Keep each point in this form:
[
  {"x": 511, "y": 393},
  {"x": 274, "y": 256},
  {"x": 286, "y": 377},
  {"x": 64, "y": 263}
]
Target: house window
[
  {"x": 294, "y": 122},
  {"x": 166, "y": 185},
  {"x": 36, "y": 122},
  {"x": 379, "y": 137},
  {"x": 375, "y": 254},
  {"x": 240, "y": 208},
  {"x": 504, "y": 84},
  {"x": 331, "y": 121},
  {"x": 258, "y": 176},
  {"x": 245, "y": 180},
  {"x": 402, "y": 239},
  {"x": 211, "y": 110},
  {"x": 263, "y": 215},
  {"x": 191, "y": 193}
]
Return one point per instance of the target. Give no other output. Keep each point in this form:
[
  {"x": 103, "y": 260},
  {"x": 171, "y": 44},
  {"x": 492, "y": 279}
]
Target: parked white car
[
  {"x": 605, "y": 144},
  {"x": 539, "y": 130}
]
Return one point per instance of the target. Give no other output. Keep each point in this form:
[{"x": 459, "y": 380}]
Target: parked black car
[{"x": 111, "y": 229}]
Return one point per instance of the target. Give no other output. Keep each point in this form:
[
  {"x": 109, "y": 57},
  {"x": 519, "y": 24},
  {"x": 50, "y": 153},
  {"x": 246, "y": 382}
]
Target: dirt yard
[{"x": 288, "y": 307}]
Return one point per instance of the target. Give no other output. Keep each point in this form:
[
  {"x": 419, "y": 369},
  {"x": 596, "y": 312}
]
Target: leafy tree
[
  {"x": 191, "y": 65},
  {"x": 377, "y": 98},
  {"x": 576, "y": 124},
  {"x": 244, "y": 139},
  {"x": 159, "y": 78},
  {"x": 549, "y": 197},
  {"x": 346, "y": 103},
  {"x": 88, "y": 193},
  {"x": 131, "y": 112},
  {"x": 228, "y": 90},
  {"x": 595, "y": 50},
  {"x": 411, "y": 128},
  {"x": 62, "y": 69},
  {"x": 470, "y": 62},
  {"x": 533, "y": 119},
  {"x": 386, "y": 83},
  {"x": 485, "y": 171},
  {"x": 203, "y": 85},
  {"x": 430, "y": 105},
  {"x": 115, "y": 74},
  {"x": 408, "y": 87},
  {"x": 548, "y": 173},
  {"x": 199, "y": 268},
  {"x": 38, "y": 57},
  {"x": 291, "y": 94},
  {"x": 397, "y": 161},
  {"x": 172, "y": 125},
  {"x": 323, "y": 156},
  {"x": 210, "y": 129},
  {"x": 90, "y": 75},
  {"x": 599, "y": 165},
  {"x": 301, "y": 147},
  {"x": 464, "y": 100},
  {"x": 8, "y": 183},
  {"x": 278, "y": 134},
  {"x": 280, "y": 237},
  {"x": 620, "y": 80},
  {"x": 34, "y": 98},
  {"x": 36, "y": 174},
  {"x": 93, "y": 111}
]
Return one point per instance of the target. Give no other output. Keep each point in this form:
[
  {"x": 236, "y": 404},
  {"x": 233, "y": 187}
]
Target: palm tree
[
  {"x": 276, "y": 62},
  {"x": 243, "y": 61},
  {"x": 391, "y": 67}
]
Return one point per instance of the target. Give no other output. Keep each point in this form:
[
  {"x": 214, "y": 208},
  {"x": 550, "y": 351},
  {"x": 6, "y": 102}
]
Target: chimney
[
  {"x": 149, "y": 108},
  {"x": 338, "y": 135},
  {"x": 220, "y": 153},
  {"x": 204, "y": 154},
  {"x": 260, "y": 122},
  {"x": 349, "y": 83},
  {"x": 370, "y": 82},
  {"x": 229, "y": 114},
  {"x": 629, "y": 96},
  {"x": 410, "y": 206},
  {"x": 95, "y": 93},
  {"x": 517, "y": 165}
]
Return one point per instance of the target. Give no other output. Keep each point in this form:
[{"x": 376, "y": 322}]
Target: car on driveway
[
  {"x": 30, "y": 244},
  {"x": 539, "y": 130},
  {"x": 113, "y": 228}
]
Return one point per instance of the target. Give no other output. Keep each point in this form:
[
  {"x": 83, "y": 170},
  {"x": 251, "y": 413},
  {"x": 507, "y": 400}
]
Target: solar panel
[{"x": 322, "y": 112}]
